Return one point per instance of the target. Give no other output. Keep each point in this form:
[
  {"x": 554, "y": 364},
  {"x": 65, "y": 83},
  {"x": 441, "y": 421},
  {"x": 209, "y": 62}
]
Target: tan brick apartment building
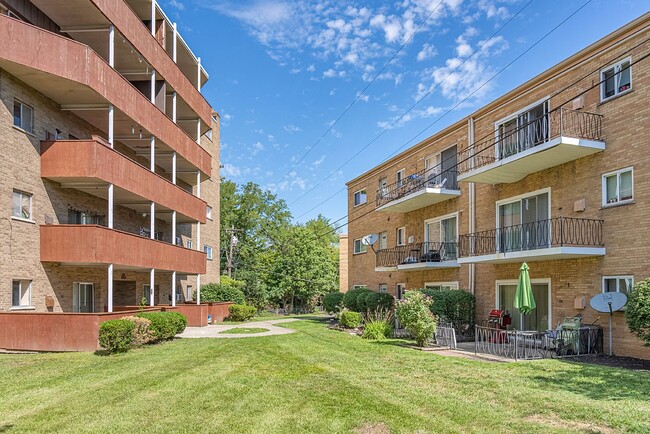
[
  {"x": 110, "y": 159},
  {"x": 553, "y": 173}
]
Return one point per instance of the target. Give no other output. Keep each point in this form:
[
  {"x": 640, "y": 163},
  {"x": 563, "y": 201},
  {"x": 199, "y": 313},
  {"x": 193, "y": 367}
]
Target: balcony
[
  {"x": 556, "y": 238},
  {"x": 84, "y": 245},
  {"x": 417, "y": 256},
  {"x": 90, "y": 165},
  {"x": 423, "y": 188},
  {"x": 555, "y": 138},
  {"x": 86, "y": 85}
]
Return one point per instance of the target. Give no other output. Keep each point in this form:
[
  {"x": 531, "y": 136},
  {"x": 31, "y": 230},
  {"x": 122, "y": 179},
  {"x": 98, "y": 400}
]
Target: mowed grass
[
  {"x": 316, "y": 380},
  {"x": 244, "y": 331}
]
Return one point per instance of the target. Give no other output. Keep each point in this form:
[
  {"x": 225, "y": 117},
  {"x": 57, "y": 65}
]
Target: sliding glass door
[
  {"x": 538, "y": 319},
  {"x": 523, "y": 131},
  {"x": 83, "y": 297},
  {"x": 524, "y": 224},
  {"x": 442, "y": 235}
]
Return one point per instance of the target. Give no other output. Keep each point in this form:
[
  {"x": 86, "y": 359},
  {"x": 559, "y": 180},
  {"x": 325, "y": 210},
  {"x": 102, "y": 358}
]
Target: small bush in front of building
[
  {"x": 179, "y": 320},
  {"x": 377, "y": 300},
  {"x": 362, "y": 305},
  {"x": 241, "y": 312},
  {"x": 637, "y": 312},
  {"x": 350, "y": 319},
  {"x": 116, "y": 335},
  {"x": 332, "y": 302},
  {"x": 350, "y": 299},
  {"x": 142, "y": 333},
  {"x": 162, "y": 325},
  {"x": 414, "y": 313}
]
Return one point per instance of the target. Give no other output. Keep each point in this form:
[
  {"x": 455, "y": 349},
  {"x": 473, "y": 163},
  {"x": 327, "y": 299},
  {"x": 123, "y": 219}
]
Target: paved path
[{"x": 214, "y": 331}]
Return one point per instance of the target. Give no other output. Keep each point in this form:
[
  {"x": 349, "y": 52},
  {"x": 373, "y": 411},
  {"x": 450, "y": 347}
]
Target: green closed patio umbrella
[{"x": 524, "y": 298}]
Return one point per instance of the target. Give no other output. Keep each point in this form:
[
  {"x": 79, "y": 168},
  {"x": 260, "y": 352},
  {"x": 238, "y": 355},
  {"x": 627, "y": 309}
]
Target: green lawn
[
  {"x": 244, "y": 331},
  {"x": 315, "y": 380}
]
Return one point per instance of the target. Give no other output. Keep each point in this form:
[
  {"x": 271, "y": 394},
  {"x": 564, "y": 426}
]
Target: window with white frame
[
  {"x": 383, "y": 288},
  {"x": 189, "y": 293},
  {"x": 179, "y": 293},
  {"x": 383, "y": 240},
  {"x": 618, "y": 187},
  {"x": 399, "y": 177},
  {"x": 360, "y": 197},
  {"x": 622, "y": 284},
  {"x": 21, "y": 293},
  {"x": 616, "y": 79},
  {"x": 359, "y": 247},
  {"x": 401, "y": 236},
  {"x": 441, "y": 286},
  {"x": 23, "y": 116},
  {"x": 208, "y": 212},
  {"x": 208, "y": 251},
  {"x": 21, "y": 205},
  {"x": 189, "y": 244}
]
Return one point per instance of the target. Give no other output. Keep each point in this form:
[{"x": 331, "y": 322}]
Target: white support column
[
  {"x": 111, "y": 206},
  {"x": 198, "y": 184},
  {"x": 152, "y": 289},
  {"x": 174, "y": 167},
  {"x": 111, "y": 124},
  {"x": 198, "y": 73},
  {"x": 174, "y": 227},
  {"x": 111, "y": 46},
  {"x": 152, "y": 154},
  {"x": 152, "y": 221},
  {"x": 110, "y": 287},
  {"x": 173, "y": 288},
  {"x": 174, "y": 106},
  {"x": 153, "y": 86},
  {"x": 174, "y": 42},
  {"x": 198, "y": 289},
  {"x": 198, "y": 131},
  {"x": 153, "y": 17}
]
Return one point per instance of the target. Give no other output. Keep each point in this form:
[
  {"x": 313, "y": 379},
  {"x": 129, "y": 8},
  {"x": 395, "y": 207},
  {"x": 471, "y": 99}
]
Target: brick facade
[{"x": 624, "y": 120}]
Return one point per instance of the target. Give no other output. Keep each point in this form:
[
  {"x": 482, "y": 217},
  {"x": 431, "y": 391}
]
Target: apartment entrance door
[{"x": 83, "y": 297}]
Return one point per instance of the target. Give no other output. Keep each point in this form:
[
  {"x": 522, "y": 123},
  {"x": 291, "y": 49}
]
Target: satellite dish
[
  {"x": 369, "y": 240},
  {"x": 608, "y": 301}
]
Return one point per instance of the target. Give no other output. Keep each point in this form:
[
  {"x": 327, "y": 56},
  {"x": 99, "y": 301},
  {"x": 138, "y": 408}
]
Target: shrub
[
  {"x": 228, "y": 290},
  {"x": 332, "y": 301},
  {"x": 350, "y": 298},
  {"x": 162, "y": 324},
  {"x": 142, "y": 333},
  {"x": 350, "y": 319},
  {"x": 378, "y": 325},
  {"x": 377, "y": 300},
  {"x": 637, "y": 312},
  {"x": 452, "y": 305},
  {"x": 414, "y": 313},
  {"x": 241, "y": 312},
  {"x": 116, "y": 335},
  {"x": 362, "y": 306},
  {"x": 179, "y": 320}
]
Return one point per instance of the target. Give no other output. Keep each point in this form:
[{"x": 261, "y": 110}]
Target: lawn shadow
[
  {"x": 598, "y": 382},
  {"x": 6, "y": 427}
]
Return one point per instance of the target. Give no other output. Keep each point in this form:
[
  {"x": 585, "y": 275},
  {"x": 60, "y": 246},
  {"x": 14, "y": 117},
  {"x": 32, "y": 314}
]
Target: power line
[
  {"x": 311, "y": 148},
  {"x": 381, "y": 133}
]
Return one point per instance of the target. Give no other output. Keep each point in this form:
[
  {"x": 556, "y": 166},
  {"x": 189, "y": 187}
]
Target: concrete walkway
[{"x": 214, "y": 331}]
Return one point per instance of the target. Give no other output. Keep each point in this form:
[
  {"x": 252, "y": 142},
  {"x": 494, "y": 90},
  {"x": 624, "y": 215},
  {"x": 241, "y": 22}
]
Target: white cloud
[
  {"x": 230, "y": 170},
  {"x": 292, "y": 129},
  {"x": 176, "y": 4},
  {"x": 427, "y": 52}
]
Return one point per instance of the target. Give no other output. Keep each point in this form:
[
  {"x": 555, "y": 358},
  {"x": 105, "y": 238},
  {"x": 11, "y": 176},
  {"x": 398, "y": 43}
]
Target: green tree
[{"x": 637, "y": 312}]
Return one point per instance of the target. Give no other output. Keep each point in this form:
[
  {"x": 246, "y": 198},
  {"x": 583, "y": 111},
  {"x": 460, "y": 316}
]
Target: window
[
  {"x": 383, "y": 240},
  {"x": 189, "y": 293},
  {"x": 21, "y": 293},
  {"x": 22, "y": 205},
  {"x": 522, "y": 130},
  {"x": 523, "y": 224},
  {"x": 622, "y": 284},
  {"x": 441, "y": 236},
  {"x": 358, "y": 286},
  {"x": 360, "y": 197},
  {"x": 618, "y": 187},
  {"x": 208, "y": 251},
  {"x": 189, "y": 244},
  {"x": 23, "y": 116},
  {"x": 401, "y": 236},
  {"x": 82, "y": 218},
  {"x": 359, "y": 247},
  {"x": 616, "y": 79},
  {"x": 399, "y": 177},
  {"x": 441, "y": 286},
  {"x": 383, "y": 288},
  {"x": 208, "y": 212},
  {"x": 179, "y": 293},
  {"x": 83, "y": 297}
]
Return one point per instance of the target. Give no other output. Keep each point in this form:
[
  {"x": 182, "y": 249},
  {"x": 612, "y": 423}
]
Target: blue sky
[{"x": 282, "y": 72}]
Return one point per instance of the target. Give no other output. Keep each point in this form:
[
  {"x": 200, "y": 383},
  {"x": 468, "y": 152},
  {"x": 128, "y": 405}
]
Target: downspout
[{"x": 472, "y": 203}]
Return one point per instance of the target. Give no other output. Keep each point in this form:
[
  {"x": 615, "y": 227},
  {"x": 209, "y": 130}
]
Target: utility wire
[{"x": 311, "y": 148}]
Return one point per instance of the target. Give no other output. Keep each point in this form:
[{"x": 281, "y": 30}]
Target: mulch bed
[{"x": 614, "y": 361}]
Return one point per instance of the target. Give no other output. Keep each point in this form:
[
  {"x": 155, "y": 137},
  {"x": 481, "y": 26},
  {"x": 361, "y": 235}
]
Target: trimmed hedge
[
  {"x": 332, "y": 301},
  {"x": 163, "y": 324},
  {"x": 351, "y": 297},
  {"x": 376, "y": 300},
  {"x": 241, "y": 312},
  {"x": 179, "y": 320},
  {"x": 227, "y": 290},
  {"x": 142, "y": 333},
  {"x": 454, "y": 305},
  {"x": 116, "y": 335},
  {"x": 350, "y": 320}
]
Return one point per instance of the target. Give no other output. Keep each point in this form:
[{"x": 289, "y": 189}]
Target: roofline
[{"x": 627, "y": 30}]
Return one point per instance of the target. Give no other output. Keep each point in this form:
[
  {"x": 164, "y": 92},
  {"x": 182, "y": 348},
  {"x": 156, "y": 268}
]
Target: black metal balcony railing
[
  {"x": 433, "y": 177},
  {"x": 417, "y": 253},
  {"x": 556, "y": 123},
  {"x": 555, "y": 232}
]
